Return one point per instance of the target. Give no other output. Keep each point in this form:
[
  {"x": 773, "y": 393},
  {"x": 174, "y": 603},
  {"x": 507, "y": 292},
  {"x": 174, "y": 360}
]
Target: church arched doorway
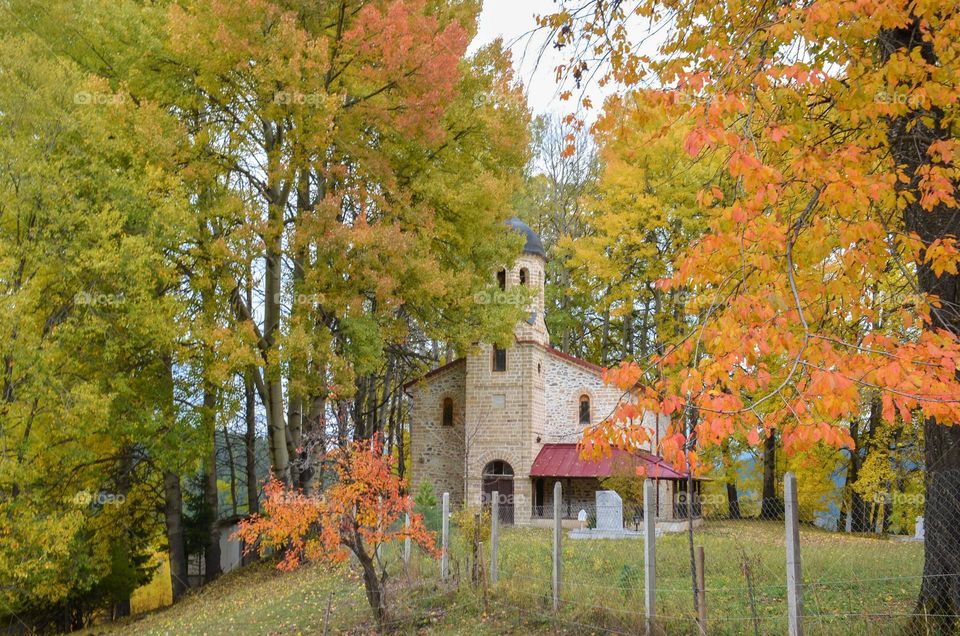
[{"x": 498, "y": 477}]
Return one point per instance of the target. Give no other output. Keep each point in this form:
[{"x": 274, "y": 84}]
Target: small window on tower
[
  {"x": 585, "y": 410},
  {"x": 499, "y": 359},
  {"x": 447, "y": 412},
  {"x": 502, "y": 279},
  {"x": 524, "y": 275}
]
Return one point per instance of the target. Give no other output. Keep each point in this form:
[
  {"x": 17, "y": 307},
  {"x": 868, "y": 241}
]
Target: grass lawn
[{"x": 854, "y": 585}]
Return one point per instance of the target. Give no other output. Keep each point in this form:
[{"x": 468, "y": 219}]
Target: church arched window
[
  {"x": 499, "y": 359},
  {"x": 502, "y": 279},
  {"x": 447, "y": 415},
  {"x": 524, "y": 275},
  {"x": 585, "y": 410}
]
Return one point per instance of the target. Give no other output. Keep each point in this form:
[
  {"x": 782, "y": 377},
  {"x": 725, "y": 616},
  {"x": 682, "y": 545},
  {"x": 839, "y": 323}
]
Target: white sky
[{"x": 513, "y": 20}]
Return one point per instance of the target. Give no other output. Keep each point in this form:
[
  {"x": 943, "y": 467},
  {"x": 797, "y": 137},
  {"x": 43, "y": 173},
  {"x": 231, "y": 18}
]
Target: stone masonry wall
[
  {"x": 437, "y": 451},
  {"x": 566, "y": 381},
  {"x": 505, "y": 416}
]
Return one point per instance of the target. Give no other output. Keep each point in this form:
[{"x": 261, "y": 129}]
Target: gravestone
[
  {"x": 918, "y": 533},
  {"x": 609, "y": 511}
]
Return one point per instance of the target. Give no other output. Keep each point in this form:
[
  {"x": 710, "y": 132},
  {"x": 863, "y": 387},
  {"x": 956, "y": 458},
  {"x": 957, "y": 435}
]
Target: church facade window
[
  {"x": 499, "y": 359},
  {"x": 585, "y": 410},
  {"x": 446, "y": 417}
]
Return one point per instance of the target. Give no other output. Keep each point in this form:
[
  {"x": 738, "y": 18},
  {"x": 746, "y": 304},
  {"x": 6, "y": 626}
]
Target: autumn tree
[
  {"x": 345, "y": 128},
  {"x": 561, "y": 177},
  {"x": 363, "y": 510},
  {"x": 91, "y": 206},
  {"x": 339, "y": 214},
  {"x": 836, "y": 127}
]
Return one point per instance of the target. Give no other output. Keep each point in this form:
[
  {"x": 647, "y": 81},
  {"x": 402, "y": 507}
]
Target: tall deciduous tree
[
  {"x": 90, "y": 208},
  {"x": 837, "y": 127}
]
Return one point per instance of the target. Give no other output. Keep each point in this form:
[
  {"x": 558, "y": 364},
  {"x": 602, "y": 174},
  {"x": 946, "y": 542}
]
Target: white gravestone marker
[
  {"x": 918, "y": 533},
  {"x": 582, "y": 518},
  {"x": 609, "y": 511}
]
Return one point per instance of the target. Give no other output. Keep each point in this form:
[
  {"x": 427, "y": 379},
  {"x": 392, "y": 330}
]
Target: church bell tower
[{"x": 505, "y": 395}]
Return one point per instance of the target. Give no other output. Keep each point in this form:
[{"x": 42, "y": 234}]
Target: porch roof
[{"x": 563, "y": 460}]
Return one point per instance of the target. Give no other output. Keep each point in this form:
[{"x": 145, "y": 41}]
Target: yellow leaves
[
  {"x": 943, "y": 256},
  {"x": 707, "y": 197}
]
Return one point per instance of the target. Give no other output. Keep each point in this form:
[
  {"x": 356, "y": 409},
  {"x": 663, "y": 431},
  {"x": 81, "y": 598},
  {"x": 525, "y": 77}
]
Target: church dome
[{"x": 533, "y": 244}]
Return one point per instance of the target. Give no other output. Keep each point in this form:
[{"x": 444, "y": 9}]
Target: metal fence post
[
  {"x": 494, "y": 535},
  {"x": 557, "y": 534},
  {"x": 701, "y": 590},
  {"x": 794, "y": 575},
  {"x": 406, "y": 542},
  {"x": 649, "y": 553},
  {"x": 445, "y": 538}
]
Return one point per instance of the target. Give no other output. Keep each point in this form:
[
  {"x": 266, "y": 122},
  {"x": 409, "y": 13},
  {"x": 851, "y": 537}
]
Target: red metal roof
[{"x": 563, "y": 460}]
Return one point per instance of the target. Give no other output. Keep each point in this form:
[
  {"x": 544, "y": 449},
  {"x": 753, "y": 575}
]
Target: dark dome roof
[{"x": 533, "y": 244}]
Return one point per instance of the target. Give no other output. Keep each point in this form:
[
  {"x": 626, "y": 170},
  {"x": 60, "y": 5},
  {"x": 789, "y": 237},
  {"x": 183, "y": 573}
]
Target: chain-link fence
[{"x": 719, "y": 569}]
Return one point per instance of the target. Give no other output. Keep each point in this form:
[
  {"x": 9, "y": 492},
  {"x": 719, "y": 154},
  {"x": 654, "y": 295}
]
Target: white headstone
[
  {"x": 918, "y": 533},
  {"x": 582, "y": 515},
  {"x": 609, "y": 510}
]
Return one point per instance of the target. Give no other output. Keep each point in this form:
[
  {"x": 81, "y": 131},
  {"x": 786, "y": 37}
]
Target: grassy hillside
[{"x": 854, "y": 585}]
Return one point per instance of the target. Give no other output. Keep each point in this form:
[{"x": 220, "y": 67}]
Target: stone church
[{"x": 508, "y": 420}]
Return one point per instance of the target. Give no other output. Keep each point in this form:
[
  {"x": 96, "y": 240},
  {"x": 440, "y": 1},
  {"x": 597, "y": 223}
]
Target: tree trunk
[
  {"x": 315, "y": 441},
  {"x": 770, "y": 506},
  {"x": 211, "y": 494},
  {"x": 376, "y": 594},
  {"x": 250, "y": 442},
  {"x": 730, "y": 477},
  {"x": 859, "y": 512},
  {"x": 605, "y": 334},
  {"x": 910, "y": 137},
  {"x": 173, "y": 514},
  {"x": 276, "y": 423},
  {"x": 231, "y": 464},
  {"x": 733, "y": 500}
]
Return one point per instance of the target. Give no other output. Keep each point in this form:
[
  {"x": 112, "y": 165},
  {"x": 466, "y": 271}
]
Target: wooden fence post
[
  {"x": 494, "y": 535},
  {"x": 794, "y": 574},
  {"x": 406, "y": 542},
  {"x": 557, "y": 534},
  {"x": 649, "y": 555},
  {"x": 701, "y": 591},
  {"x": 445, "y": 538}
]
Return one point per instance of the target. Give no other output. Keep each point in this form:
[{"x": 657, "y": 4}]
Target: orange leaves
[
  {"x": 362, "y": 510},
  {"x": 777, "y": 134},
  {"x": 694, "y": 142},
  {"x": 670, "y": 404},
  {"x": 624, "y": 376},
  {"x": 401, "y": 47},
  {"x": 943, "y": 256}
]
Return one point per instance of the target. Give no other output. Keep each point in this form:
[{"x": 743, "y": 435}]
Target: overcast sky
[{"x": 513, "y": 20}]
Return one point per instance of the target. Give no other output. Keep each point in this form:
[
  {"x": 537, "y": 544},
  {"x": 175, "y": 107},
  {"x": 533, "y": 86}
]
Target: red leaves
[
  {"x": 404, "y": 53},
  {"x": 363, "y": 509}
]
